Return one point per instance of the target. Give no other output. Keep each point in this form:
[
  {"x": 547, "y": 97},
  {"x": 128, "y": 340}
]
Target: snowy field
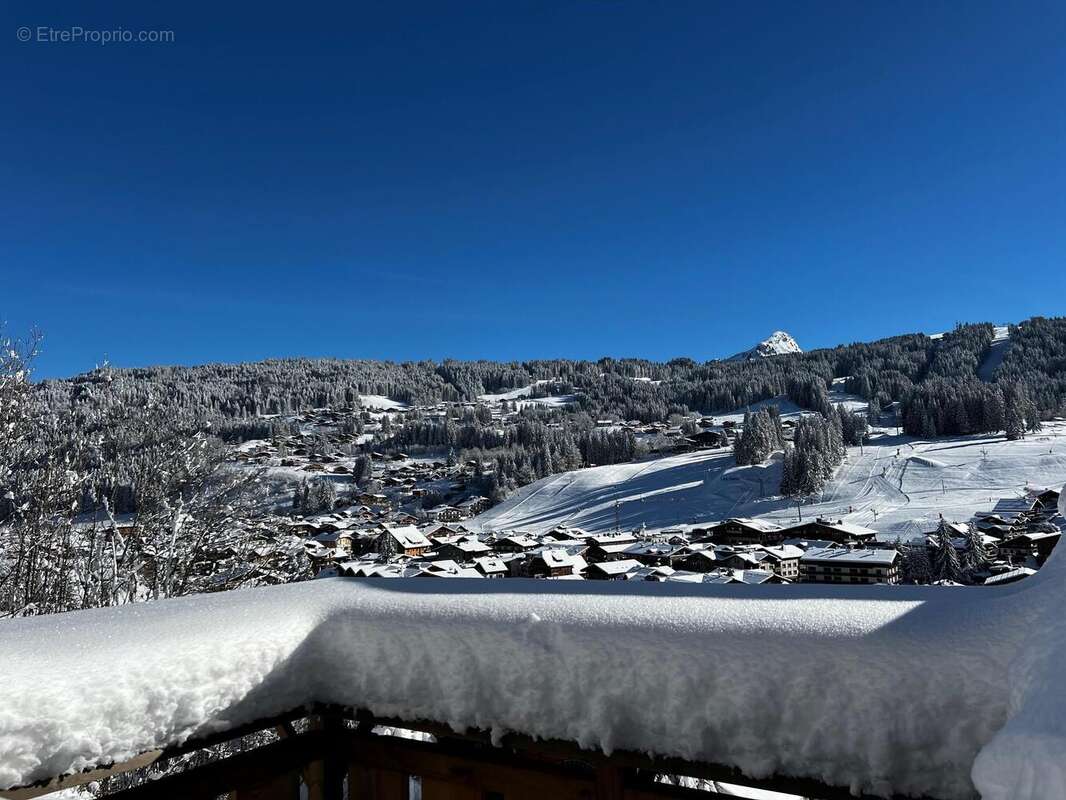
[
  {"x": 897, "y": 485},
  {"x": 377, "y": 402},
  {"x": 522, "y": 397}
]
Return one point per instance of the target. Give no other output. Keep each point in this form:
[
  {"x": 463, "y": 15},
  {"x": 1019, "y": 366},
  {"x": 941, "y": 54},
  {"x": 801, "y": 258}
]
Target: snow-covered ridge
[
  {"x": 778, "y": 343},
  {"x": 905, "y": 690}
]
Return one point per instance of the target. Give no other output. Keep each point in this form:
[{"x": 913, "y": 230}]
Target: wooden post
[
  {"x": 610, "y": 783},
  {"x": 324, "y": 777}
]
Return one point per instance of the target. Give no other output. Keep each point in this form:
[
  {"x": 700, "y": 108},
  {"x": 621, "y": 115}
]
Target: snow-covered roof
[
  {"x": 554, "y": 557},
  {"x": 490, "y": 564},
  {"x": 850, "y": 528},
  {"x": 753, "y": 576},
  {"x": 616, "y": 567},
  {"x": 877, "y": 558},
  {"x": 408, "y": 536},
  {"x": 983, "y": 707},
  {"x": 756, "y": 524}
]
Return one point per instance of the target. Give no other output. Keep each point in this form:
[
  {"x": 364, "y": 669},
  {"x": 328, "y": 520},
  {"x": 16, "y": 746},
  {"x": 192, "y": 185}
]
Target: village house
[
  {"x": 473, "y": 506},
  {"x": 709, "y": 438},
  {"x": 402, "y": 540},
  {"x": 651, "y": 554},
  {"x": 553, "y": 563},
  {"x": 446, "y": 514},
  {"x": 599, "y": 553},
  {"x": 463, "y": 550},
  {"x": 741, "y": 530},
  {"x": 610, "y": 538},
  {"x": 612, "y": 570},
  {"x": 516, "y": 543},
  {"x": 1035, "y": 545},
  {"x": 784, "y": 561},
  {"x": 699, "y": 561},
  {"x": 373, "y": 499},
  {"x": 843, "y": 533},
  {"x": 491, "y": 567},
  {"x": 840, "y": 565}
]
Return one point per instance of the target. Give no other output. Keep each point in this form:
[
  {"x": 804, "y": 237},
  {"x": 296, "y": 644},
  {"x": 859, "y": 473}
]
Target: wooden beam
[
  {"x": 104, "y": 771},
  {"x": 243, "y": 772}
]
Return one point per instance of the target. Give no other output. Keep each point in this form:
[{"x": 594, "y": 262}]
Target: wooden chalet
[
  {"x": 741, "y": 530},
  {"x": 839, "y": 531}
]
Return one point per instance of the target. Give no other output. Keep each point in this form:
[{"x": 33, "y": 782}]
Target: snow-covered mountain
[{"x": 778, "y": 343}]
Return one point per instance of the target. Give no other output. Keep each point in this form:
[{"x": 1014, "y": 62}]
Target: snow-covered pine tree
[
  {"x": 974, "y": 558},
  {"x": 945, "y": 558},
  {"x": 915, "y": 564}
]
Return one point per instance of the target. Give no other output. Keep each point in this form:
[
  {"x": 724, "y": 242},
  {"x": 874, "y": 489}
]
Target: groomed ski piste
[
  {"x": 897, "y": 485},
  {"x": 920, "y": 690}
]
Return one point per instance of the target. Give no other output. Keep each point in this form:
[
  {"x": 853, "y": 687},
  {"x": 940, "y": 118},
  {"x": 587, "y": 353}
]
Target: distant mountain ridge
[{"x": 776, "y": 344}]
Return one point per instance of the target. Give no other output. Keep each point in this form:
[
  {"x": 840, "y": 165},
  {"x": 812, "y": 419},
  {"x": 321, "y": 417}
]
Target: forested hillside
[{"x": 150, "y": 441}]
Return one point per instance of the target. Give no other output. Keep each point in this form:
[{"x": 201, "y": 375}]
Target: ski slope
[
  {"x": 897, "y": 485},
  {"x": 994, "y": 357}
]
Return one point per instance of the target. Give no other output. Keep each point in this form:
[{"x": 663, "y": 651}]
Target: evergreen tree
[
  {"x": 873, "y": 411},
  {"x": 915, "y": 565},
  {"x": 1014, "y": 425},
  {"x": 945, "y": 558},
  {"x": 974, "y": 558}
]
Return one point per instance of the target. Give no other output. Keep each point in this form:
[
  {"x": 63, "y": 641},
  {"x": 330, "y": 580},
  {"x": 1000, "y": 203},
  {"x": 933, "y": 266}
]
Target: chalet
[
  {"x": 552, "y": 563},
  {"x": 517, "y": 543},
  {"x": 473, "y": 506},
  {"x": 491, "y": 567},
  {"x": 564, "y": 533},
  {"x": 651, "y": 554},
  {"x": 446, "y": 514},
  {"x": 699, "y": 561},
  {"x": 784, "y": 561},
  {"x": 838, "y": 531},
  {"x": 402, "y": 540},
  {"x": 1045, "y": 500},
  {"x": 373, "y": 499},
  {"x": 610, "y": 538},
  {"x": 608, "y": 552},
  {"x": 741, "y": 530},
  {"x": 445, "y": 568},
  {"x": 840, "y": 565},
  {"x": 464, "y": 550},
  {"x": 657, "y": 574},
  {"x": 446, "y": 530},
  {"x": 709, "y": 438},
  {"x": 612, "y": 570},
  {"x": 1029, "y": 545},
  {"x": 345, "y": 541}
]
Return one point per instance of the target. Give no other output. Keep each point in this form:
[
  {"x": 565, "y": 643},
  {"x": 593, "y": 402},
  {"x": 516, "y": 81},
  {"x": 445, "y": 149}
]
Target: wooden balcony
[{"x": 339, "y": 754}]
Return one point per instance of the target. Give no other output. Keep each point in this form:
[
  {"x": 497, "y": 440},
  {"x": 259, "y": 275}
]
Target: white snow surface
[
  {"x": 883, "y": 689},
  {"x": 897, "y": 495},
  {"x": 378, "y": 402}
]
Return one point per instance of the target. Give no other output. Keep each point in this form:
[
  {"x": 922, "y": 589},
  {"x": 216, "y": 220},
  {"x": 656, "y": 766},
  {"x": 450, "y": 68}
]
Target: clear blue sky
[{"x": 526, "y": 179}]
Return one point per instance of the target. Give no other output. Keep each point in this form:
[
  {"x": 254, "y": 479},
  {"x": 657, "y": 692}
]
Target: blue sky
[{"x": 526, "y": 179}]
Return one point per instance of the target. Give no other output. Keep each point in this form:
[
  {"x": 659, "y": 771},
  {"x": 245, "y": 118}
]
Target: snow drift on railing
[{"x": 885, "y": 689}]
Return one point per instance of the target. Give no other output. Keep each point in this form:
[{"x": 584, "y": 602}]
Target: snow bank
[{"x": 883, "y": 689}]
